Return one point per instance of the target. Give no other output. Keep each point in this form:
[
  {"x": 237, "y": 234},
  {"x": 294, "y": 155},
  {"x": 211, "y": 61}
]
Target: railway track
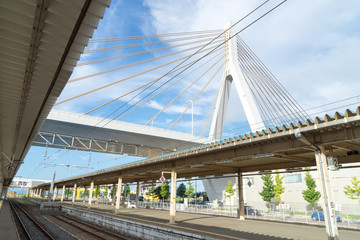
[
  {"x": 30, "y": 227},
  {"x": 89, "y": 229}
]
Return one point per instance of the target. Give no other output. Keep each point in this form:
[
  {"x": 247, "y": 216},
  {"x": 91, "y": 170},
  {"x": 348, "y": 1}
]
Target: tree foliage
[
  {"x": 157, "y": 191},
  {"x": 353, "y": 190},
  {"x": 229, "y": 191},
  {"x": 267, "y": 192},
  {"x": 127, "y": 190},
  {"x": 106, "y": 191},
  {"x": 310, "y": 194},
  {"x": 165, "y": 191},
  {"x": 190, "y": 190},
  {"x": 150, "y": 191},
  {"x": 180, "y": 191},
  {"x": 279, "y": 187},
  {"x": 112, "y": 189}
]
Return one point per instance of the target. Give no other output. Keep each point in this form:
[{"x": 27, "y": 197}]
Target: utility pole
[{"x": 51, "y": 190}]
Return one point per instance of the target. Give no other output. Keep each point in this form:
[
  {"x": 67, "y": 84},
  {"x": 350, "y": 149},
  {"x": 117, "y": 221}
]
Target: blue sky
[{"x": 312, "y": 47}]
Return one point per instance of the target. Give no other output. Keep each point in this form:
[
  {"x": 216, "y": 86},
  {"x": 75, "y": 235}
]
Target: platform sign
[
  {"x": 10, "y": 168},
  {"x": 162, "y": 179}
]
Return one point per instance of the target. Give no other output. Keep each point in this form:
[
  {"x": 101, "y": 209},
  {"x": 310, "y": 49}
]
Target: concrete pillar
[
  {"x": 4, "y": 192},
  {"x": 55, "y": 193},
  {"x": 74, "y": 193},
  {"x": 326, "y": 193},
  {"x": 240, "y": 191},
  {"x": 118, "y": 193},
  {"x": 1, "y": 186},
  {"x": 84, "y": 195},
  {"x": 91, "y": 191},
  {"x": 113, "y": 195},
  {"x": 137, "y": 194},
  {"x": 62, "y": 194},
  {"x": 40, "y": 193},
  {"x": 173, "y": 196}
]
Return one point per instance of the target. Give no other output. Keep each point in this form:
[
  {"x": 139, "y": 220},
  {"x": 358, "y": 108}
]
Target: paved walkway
[
  {"x": 7, "y": 226},
  {"x": 222, "y": 227}
]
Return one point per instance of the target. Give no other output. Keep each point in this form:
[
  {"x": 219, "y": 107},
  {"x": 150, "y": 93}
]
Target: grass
[{"x": 350, "y": 216}]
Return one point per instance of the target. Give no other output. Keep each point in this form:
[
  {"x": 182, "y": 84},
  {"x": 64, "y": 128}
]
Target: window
[{"x": 292, "y": 178}]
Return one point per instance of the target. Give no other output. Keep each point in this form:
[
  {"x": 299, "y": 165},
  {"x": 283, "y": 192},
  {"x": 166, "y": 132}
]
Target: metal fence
[{"x": 344, "y": 220}]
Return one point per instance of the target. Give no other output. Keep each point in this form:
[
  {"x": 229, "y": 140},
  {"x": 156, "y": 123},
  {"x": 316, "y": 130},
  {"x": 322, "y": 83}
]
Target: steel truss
[{"x": 57, "y": 140}]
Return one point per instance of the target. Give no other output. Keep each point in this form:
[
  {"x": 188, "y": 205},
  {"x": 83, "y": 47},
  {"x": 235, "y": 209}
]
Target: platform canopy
[
  {"x": 290, "y": 147},
  {"x": 41, "y": 42}
]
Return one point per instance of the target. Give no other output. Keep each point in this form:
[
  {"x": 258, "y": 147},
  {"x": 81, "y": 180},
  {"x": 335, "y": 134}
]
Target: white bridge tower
[{"x": 232, "y": 74}]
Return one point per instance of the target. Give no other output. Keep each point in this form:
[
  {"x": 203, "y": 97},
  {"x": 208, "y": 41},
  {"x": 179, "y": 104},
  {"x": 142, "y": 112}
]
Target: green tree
[
  {"x": 106, "y": 191},
  {"x": 353, "y": 190},
  {"x": 164, "y": 192},
  {"x": 127, "y": 190},
  {"x": 180, "y": 191},
  {"x": 68, "y": 192},
  {"x": 229, "y": 191},
  {"x": 279, "y": 187},
  {"x": 190, "y": 190},
  {"x": 150, "y": 191},
  {"x": 112, "y": 189},
  {"x": 310, "y": 194},
  {"x": 267, "y": 192},
  {"x": 157, "y": 191}
]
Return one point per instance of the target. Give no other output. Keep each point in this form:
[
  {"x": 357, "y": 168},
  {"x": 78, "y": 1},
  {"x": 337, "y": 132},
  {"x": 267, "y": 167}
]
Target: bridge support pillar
[
  {"x": 118, "y": 193},
  {"x": 173, "y": 196},
  {"x": 62, "y": 193},
  {"x": 240, "y": 191},
  {"x": 40, "y": 193},
  {"x": 74, "y": 194},
  {"x": 137, "y": 194},
  {"x": 113, "y": 195},
  {"x": 326, "y": 193},
  {"x": 91, "y": 191},
  {"x": 55, "y": 193}
]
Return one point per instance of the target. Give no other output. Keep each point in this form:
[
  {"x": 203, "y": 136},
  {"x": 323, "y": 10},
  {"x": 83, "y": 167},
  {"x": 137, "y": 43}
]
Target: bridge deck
[{"x": 219, "y": 227}]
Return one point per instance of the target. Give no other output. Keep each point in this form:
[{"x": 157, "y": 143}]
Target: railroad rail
[
  {"x": 89, "y": 229},
  {"x": 26, "y": 224}
]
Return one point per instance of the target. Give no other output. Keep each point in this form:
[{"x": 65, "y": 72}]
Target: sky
[{"x": 312, "y": 47}]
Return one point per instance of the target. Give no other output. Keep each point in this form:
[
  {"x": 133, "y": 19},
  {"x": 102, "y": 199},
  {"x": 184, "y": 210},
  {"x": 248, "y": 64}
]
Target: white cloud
[{"x": 312, "y": 47}]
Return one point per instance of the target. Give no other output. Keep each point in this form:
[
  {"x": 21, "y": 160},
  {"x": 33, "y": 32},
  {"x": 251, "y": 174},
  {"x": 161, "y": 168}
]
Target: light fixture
[
  {"x": 224, "y": 161},
  {"x": 297, "y": 169},
  {"x": 197, "y": 165},
  {"x": 262, "y": 155}
]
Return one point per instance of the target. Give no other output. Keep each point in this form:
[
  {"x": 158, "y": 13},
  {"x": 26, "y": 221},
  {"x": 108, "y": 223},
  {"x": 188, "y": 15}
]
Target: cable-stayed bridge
[
  {"x": 160, "y": 71},
  {"x": 222, "y": 59}
]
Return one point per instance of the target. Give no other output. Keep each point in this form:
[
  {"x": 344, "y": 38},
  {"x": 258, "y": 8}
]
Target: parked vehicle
[
  {"x": 316, "y": 215},
  {"x": 251, "y": 211}
]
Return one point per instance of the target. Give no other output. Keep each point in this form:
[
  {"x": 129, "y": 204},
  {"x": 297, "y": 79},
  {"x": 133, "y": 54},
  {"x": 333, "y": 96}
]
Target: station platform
[
  {"x": 218, "y": 227},
  {"x": 7, "y": 225}
]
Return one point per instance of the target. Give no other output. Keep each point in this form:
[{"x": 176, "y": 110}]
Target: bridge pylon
[{"x": 232, "y": 74}]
